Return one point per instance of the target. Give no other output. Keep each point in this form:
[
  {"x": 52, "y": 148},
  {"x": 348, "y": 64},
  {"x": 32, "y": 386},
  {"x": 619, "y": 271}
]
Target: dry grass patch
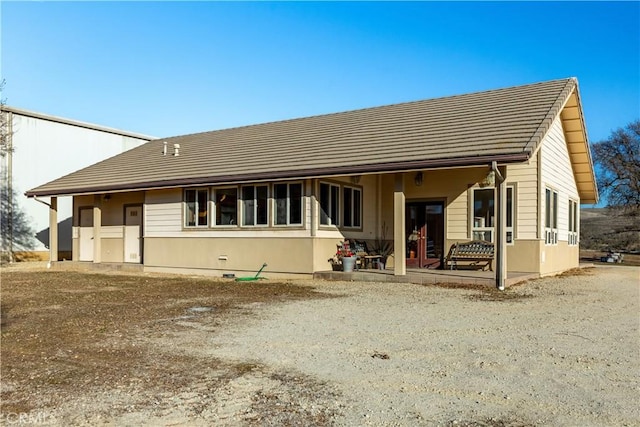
[
  {"x": 587, "y": 271},
  {"x": 486, "y": 293},
  {"x": 66, "y": 334}
]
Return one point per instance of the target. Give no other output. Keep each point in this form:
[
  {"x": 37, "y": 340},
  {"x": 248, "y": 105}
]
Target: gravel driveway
[{"x": 558, "y": 352}]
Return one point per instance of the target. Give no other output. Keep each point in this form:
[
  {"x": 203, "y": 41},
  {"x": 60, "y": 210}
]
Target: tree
[
  {"x": 618, "y": 169},
  {"x": 15, "y": 227},
  {"x": 5, "y": 147}
]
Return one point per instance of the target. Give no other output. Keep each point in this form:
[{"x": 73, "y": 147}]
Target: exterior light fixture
[
  {"x": 418, "y": 179},
  {"x": 489, "y": 180}
]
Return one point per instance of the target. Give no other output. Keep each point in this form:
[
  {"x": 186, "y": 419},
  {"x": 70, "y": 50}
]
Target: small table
[{"x": 372, "y": 261}]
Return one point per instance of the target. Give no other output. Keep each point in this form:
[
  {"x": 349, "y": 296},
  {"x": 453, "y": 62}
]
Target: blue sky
[{"x": 164, "y": 68}]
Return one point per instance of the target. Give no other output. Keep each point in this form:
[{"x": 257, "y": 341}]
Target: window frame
[
  {"x": 511, "y": 214},
  {"x": 256, "y": 205},
  {"x": 477, "y": 220},
  {"x": 572, "y": 235},
  {"x": 214, "y": 214},
  {"x": 334, "y": 205},
  {"x": 197, "y": 201},
  {"x": 511, "y": 228},
  {"x": 551, "y": 216},
  {"x": 355, "y": 212},
  {"x": 288, "y": 204}
]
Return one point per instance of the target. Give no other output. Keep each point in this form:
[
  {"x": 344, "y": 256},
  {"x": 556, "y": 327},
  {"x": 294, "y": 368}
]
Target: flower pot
[{"x": 348, "y": 263}]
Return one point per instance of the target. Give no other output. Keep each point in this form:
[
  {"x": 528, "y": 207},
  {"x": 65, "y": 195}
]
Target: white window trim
[
  {"x": 288, "y": 205},
  {"x": 337, "y": 210},
  {"x": 255, "y": 206},
  {"x": 572, "y": 235},
  {"x": 186, "y": 208},
  {"x": 214, "y": 211},
  {"x": 551, "y": 210},
  {"x": 343, "y": 203},
  {"x": 472, "y": 218},
  {"x": 492, "y": 229}
]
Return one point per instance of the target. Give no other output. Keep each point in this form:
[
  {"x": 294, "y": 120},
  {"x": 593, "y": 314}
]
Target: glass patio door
[{"x": 424, "y": 231}]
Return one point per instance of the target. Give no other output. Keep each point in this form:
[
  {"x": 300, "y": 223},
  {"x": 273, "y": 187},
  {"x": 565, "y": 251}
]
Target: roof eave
[{"x": 301, "y": 174}]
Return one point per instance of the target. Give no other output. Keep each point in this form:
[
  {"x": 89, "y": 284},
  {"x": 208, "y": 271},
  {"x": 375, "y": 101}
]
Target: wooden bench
[{"x": 474, "y": 254}]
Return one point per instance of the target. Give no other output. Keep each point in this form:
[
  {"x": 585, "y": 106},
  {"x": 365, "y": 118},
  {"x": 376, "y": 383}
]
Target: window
[
  {"x": 573, "y": 222},
  {"x": 329, "y": 204},
  {"x": 551, "y": 217},
  {"x": 226, "y": 206},
  {"x": 483, "y": 224},
  {"x": 510, "y": 215},
  {"x": 254, "y": 205},
  {"x": 352, "y": 207},
  {"x": 288, "y": 204},
  {"x": 196, "y": 208},
  {"x": 483, "y": 214}
]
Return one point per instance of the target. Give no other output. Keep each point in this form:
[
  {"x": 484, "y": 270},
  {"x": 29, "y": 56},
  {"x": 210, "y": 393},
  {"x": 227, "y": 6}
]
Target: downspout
[
  {"x": 41, "y": 201},
  {"x": 501, "y": 255}
]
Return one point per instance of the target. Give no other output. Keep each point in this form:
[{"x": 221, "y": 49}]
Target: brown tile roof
[{"x": 504, "y": 125}]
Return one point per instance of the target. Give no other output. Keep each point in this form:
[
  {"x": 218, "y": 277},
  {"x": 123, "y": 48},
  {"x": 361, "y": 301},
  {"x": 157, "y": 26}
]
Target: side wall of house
[{"x": 556, "y": 174}]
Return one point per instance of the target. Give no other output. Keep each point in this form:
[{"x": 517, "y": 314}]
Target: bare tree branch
[{"x": 618, "y": 168}]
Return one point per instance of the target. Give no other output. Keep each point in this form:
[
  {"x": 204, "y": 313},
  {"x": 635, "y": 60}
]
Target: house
[
  {"x": 44, "y": 147},
  {"x": 287, "y": 192}
]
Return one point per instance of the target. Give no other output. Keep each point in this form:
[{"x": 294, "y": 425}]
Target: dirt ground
[{"x": 116, "y": 349}]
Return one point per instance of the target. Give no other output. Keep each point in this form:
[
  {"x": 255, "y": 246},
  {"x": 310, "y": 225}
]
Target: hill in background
[{"x": 604, "y": 229}]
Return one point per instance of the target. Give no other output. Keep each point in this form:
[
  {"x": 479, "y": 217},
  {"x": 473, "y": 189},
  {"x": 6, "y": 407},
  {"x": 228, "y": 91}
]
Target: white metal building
[{"x": 44, "y": 147}]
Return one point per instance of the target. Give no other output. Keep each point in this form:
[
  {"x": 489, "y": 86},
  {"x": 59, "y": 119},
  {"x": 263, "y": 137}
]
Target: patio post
[
  {"x": 97, "y": 225},
  {"x": 314, "y": 208},
  {"x": 53, "y": 231},
  {"x": 501, "y": 234},
  {"x": 399, "y": 243}
]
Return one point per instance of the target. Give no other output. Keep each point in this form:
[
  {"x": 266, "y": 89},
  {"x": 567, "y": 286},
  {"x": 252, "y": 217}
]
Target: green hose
[{"x": 253, "y": 278}]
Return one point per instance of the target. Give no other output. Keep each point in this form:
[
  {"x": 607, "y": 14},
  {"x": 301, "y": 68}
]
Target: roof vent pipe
[
  {"x": 164, "y": 149},
  {"x": 176, "y": 150}
]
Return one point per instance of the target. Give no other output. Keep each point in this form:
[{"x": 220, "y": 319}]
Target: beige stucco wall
[
  {"x": 112, "y": 250},
  {"x": 558, "y": 258},
  {"x": 240, "y": 255},
  {"x": 524, "y": 256},
  {"x": 169, "y": 246}
]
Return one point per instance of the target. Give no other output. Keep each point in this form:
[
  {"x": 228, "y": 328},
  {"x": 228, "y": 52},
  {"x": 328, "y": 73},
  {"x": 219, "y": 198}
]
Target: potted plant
[
  {"x": 382, "y": 246},
  {"x": 336, "y": 262},
  {"x": 344, "y": 259}
]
